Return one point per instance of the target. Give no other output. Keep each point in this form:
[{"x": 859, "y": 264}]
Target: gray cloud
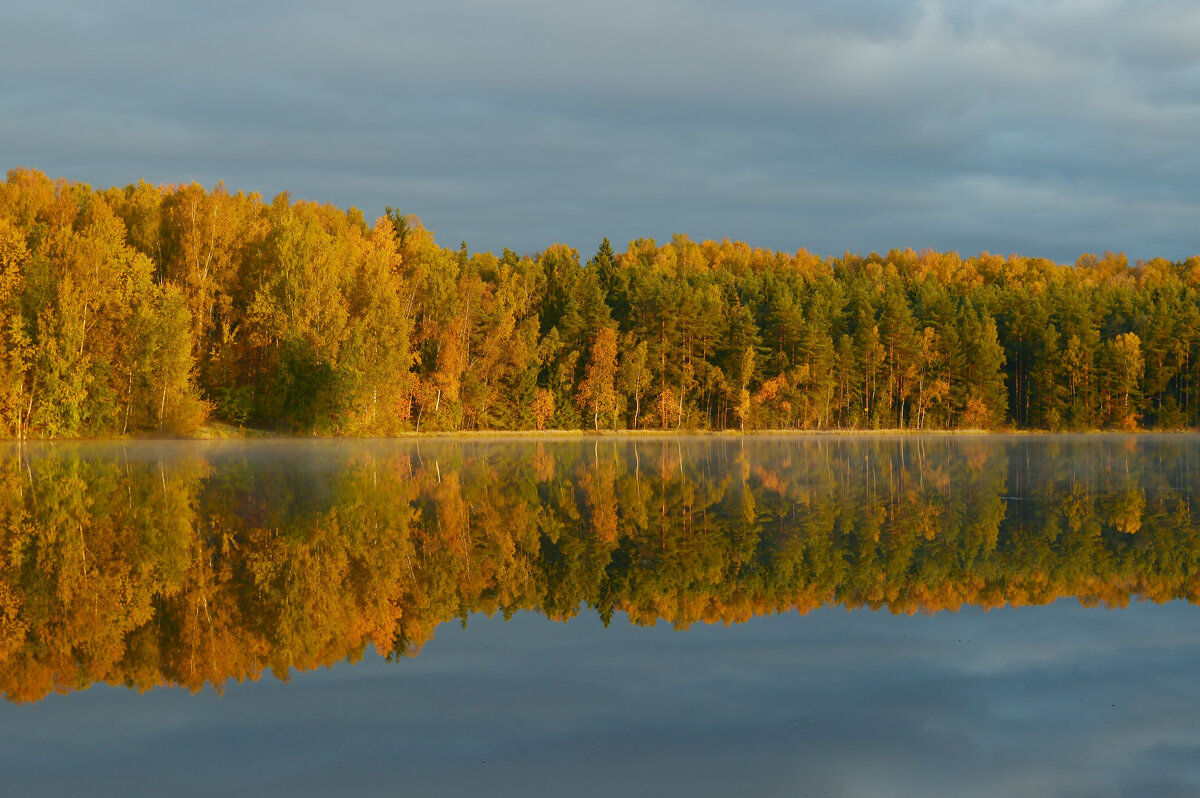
[{"x": 1046, "y": 128}]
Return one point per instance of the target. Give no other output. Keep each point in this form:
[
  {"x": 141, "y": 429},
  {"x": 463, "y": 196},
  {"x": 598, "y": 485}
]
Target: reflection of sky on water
[{"x": 1043, "y": 701}]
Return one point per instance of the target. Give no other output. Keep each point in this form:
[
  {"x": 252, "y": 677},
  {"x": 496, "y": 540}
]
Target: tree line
[
  {"x": 162, "y": 308},
  {"x": 143, "y": 567}
]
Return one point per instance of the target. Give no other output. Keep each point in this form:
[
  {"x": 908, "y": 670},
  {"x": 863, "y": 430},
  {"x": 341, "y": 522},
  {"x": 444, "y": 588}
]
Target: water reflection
[{"x": 193, "y": 564}]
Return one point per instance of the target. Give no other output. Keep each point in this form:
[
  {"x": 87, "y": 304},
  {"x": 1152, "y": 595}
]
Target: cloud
[{"x": 1043, "y": 128}]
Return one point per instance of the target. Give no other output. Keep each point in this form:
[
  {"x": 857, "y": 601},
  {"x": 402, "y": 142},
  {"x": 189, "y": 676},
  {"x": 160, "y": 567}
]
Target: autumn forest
[{"x": 159, "y": 310}]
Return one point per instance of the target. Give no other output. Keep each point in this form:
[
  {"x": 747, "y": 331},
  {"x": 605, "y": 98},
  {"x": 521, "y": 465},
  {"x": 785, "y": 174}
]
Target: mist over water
[{"x": 1022, "y": 618}]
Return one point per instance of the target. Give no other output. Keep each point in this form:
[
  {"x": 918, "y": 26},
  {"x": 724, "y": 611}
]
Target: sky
[{"x": 1041, "y": 127}]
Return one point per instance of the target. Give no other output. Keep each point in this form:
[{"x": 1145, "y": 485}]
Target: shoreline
[{"x": 209, "y": 434}]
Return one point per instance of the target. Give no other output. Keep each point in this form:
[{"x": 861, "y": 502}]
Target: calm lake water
[{"x": 846, "y": 616}]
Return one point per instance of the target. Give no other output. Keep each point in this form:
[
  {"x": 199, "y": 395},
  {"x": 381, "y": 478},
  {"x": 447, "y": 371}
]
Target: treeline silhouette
[
  {"x": 144, "y": 566},
  {"x": 161, "y": 308}
]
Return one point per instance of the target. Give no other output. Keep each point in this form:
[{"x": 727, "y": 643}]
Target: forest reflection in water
[{"x": 146, "y": 564}]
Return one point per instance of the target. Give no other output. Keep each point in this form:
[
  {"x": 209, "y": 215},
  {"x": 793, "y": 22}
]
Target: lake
[{"x": 776, "y": 616}]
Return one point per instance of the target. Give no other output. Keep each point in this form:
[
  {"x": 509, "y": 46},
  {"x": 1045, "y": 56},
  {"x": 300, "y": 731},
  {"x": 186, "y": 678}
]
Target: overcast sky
[{"x": 1039, "y": 127}]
